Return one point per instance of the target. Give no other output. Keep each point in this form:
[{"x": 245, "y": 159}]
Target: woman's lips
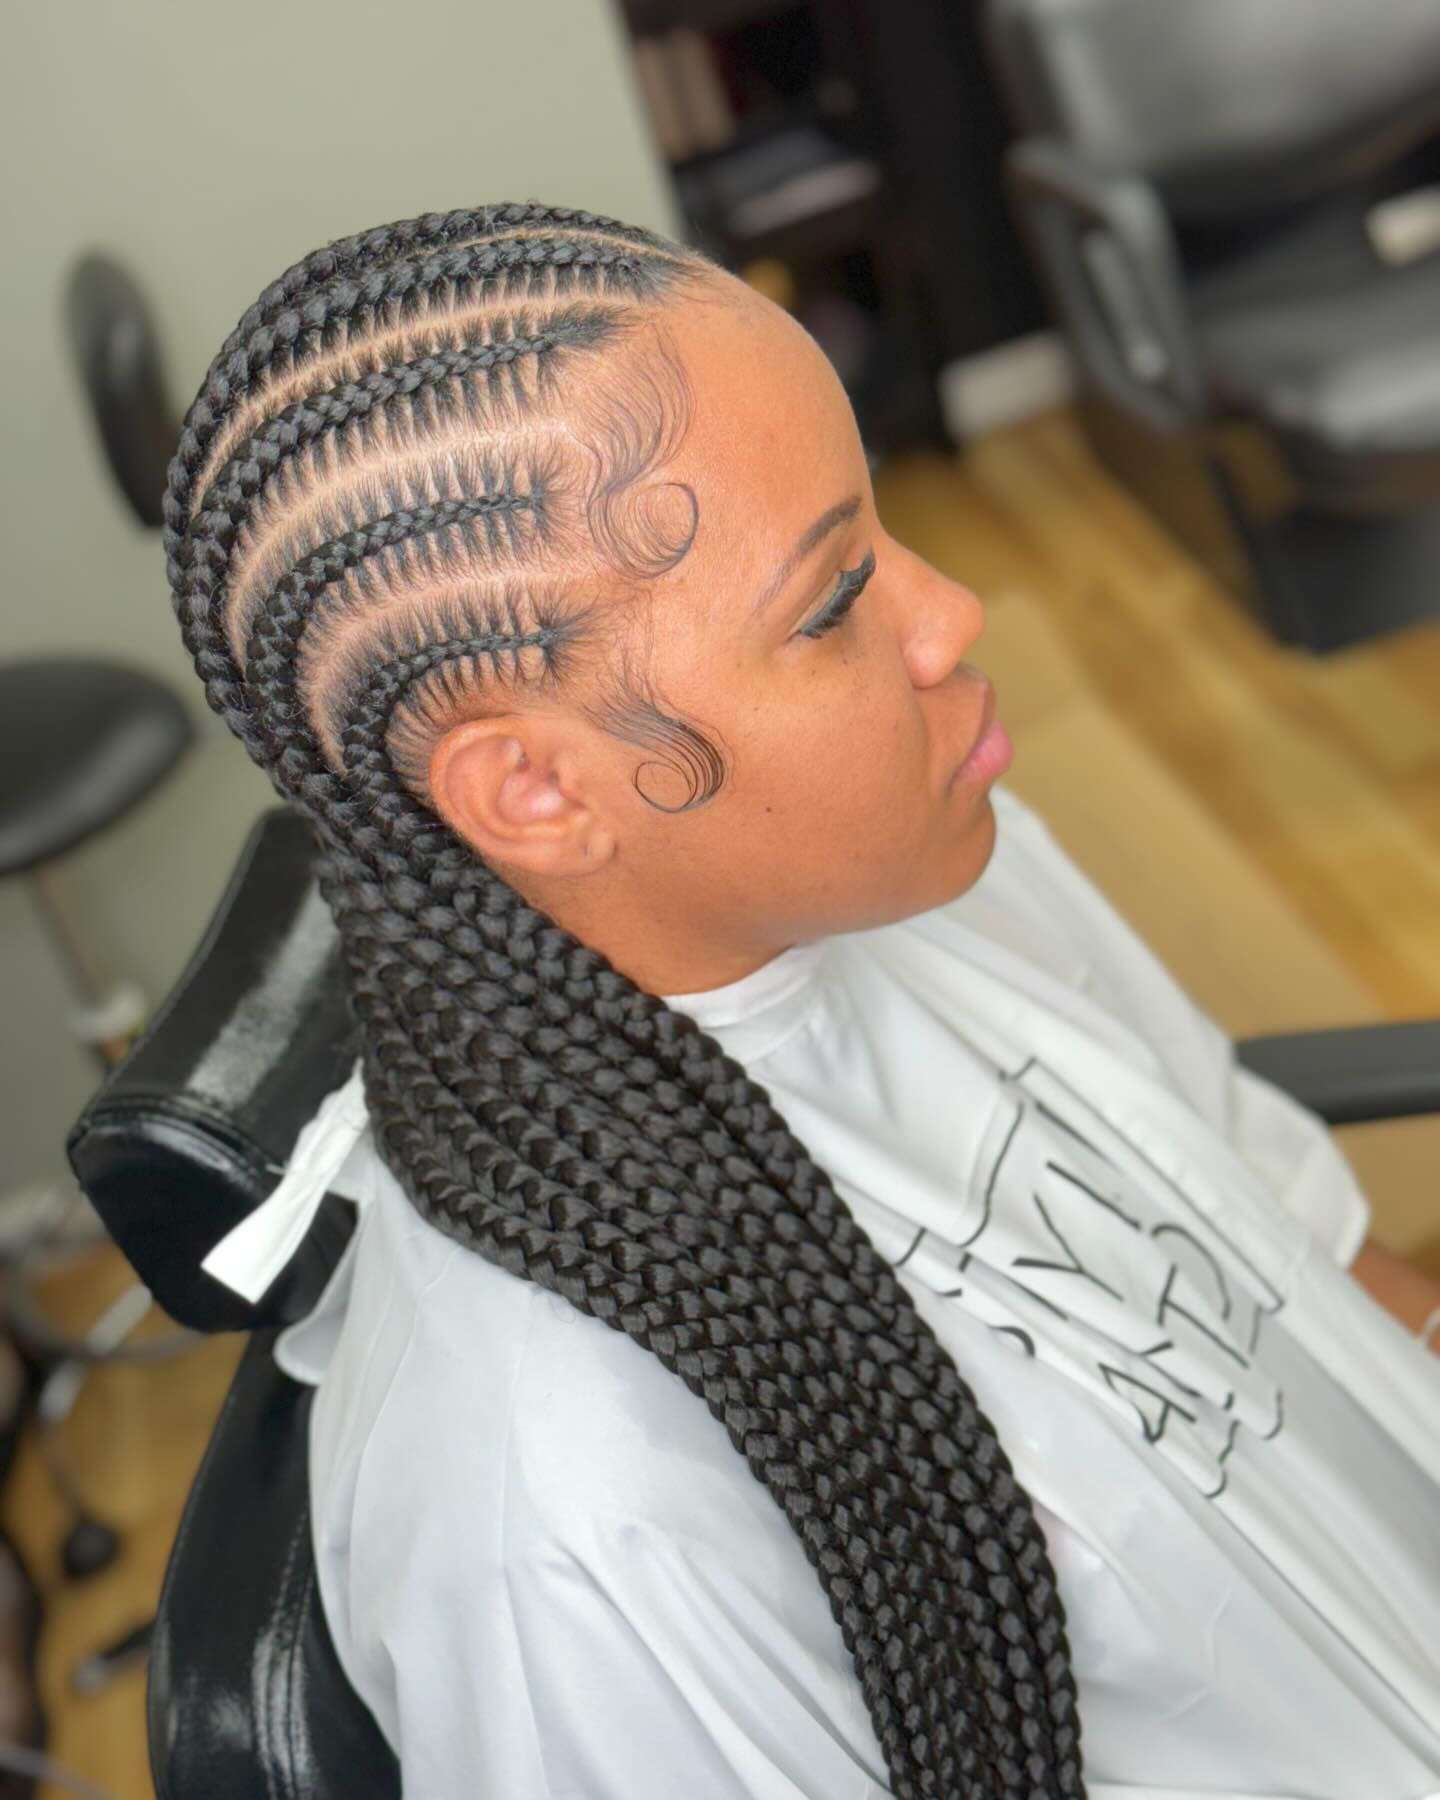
[{"x": 991, "y": 753}]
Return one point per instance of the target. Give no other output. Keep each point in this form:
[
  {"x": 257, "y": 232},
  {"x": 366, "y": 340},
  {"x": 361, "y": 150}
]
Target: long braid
[{"x": 534, "y": 1103}]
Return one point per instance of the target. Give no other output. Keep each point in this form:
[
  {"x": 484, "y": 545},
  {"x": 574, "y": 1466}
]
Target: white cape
[{"x": 550, "y": 1574}]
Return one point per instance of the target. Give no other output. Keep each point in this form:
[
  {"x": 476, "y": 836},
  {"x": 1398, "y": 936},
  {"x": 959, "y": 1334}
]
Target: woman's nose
[{"x": 946, "y": 620}]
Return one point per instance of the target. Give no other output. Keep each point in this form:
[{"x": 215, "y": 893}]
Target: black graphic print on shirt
[{"x": 1070, "y": 1228}]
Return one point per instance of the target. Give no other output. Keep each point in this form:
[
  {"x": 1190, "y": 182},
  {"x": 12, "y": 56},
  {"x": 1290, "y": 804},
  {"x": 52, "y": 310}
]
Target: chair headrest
[
  {"x": 194, "y": 1129},
  {"x": 1229, "y": 108}
]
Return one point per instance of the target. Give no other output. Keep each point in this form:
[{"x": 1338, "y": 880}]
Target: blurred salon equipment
[
  {"x": 844, "y": 157},
  {"x": 83, "y": 742},
  {"x": 1235, "y": 208},
  {"x": 116, "y": 349},
  {"x": 247, "y": 1699}
]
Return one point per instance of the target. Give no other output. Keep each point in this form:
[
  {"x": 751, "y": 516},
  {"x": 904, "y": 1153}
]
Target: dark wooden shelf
[
  {"x": 931, "y": 254},
  {"x": 647, "y": 16}
]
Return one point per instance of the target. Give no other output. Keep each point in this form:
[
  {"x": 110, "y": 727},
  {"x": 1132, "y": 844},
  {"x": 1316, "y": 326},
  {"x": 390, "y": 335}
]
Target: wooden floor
[
  {"x": 134, "y": 1442},
  {"x": 1324, "y": 777}
]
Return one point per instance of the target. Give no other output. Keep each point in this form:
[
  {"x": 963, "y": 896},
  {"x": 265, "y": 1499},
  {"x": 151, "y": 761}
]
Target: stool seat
[{"x": 81, "y": 742}]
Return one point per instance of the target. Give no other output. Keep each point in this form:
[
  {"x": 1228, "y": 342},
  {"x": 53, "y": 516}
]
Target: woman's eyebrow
[{"x": 813, "y": 535}]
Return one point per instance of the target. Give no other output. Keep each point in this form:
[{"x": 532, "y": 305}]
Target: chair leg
[
  {"x": 106, "y": 1014},
  {"x": 59, "y": 1368},
  {"x": 23, "y": 1722}
]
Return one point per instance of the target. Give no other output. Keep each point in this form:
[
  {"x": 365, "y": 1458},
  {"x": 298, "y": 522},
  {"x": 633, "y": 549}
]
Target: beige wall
[{"x": 210, "y": 147}]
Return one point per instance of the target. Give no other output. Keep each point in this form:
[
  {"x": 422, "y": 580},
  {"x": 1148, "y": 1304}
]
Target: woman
[{"x": 537, "y": 561}]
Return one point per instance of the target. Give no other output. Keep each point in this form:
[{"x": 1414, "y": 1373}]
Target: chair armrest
[
  {"x": 1104, "y": 244},
  {"x": 196, "y": 1126},
  {"x": 1356, "y": 1073}
]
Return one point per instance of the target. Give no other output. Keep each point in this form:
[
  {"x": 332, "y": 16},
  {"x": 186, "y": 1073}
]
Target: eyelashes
[{"x": 849, "y": 585}]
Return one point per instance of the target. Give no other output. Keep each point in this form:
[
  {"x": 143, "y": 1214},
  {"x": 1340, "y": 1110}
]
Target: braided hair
[{"x": 395, "y": 464}]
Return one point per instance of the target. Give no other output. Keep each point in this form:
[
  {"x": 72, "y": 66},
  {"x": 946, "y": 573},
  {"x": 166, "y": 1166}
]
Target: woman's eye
[{"x": 849, "y": 585}]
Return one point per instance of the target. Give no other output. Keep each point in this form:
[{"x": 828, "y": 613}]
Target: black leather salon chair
[
  {"x": 1257, "y": 359},
  {"x": 247, "y": 1700}
]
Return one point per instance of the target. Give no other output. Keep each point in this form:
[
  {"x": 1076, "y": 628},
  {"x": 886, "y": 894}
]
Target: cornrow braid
[
  {"x": 533, "y": 1102},
  {"x": 385, "y": 244}
]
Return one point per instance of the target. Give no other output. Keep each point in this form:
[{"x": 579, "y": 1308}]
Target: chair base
[{"x": 1318, "y": 581}]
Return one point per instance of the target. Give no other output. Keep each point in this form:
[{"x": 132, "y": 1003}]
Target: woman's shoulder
[{"x": 453, "y": 1380}]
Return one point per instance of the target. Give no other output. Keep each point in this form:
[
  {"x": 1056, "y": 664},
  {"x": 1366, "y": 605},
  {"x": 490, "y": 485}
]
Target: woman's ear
[{"x": 511, "y": 795}]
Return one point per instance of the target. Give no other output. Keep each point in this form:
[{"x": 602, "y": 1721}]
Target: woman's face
[{"x": 842, "y": 808}]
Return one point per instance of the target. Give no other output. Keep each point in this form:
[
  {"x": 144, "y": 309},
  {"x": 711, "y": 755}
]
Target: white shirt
[{"x": 549, "y": 1573}]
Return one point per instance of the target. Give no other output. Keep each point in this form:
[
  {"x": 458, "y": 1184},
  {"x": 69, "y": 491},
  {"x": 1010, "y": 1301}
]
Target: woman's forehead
[
  {"x": 749, "y": 359},
  {"x": 772, "y": 439}
]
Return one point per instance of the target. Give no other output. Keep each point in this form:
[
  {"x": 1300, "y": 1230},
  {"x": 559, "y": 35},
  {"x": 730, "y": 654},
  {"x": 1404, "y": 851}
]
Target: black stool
[{"x": 81, "y": 743}]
